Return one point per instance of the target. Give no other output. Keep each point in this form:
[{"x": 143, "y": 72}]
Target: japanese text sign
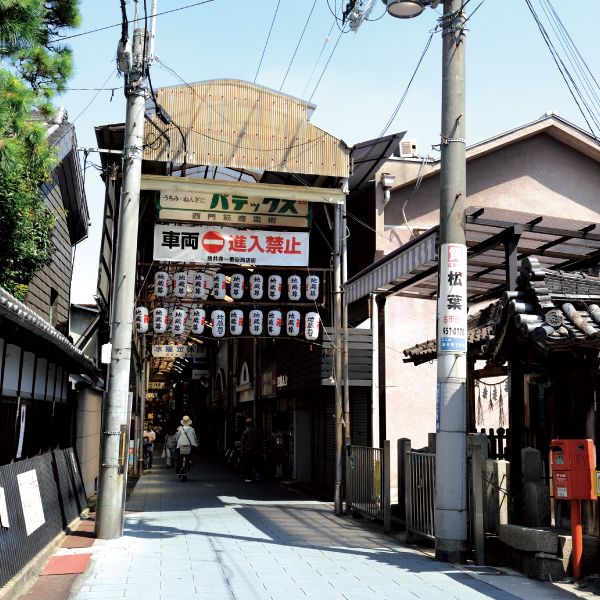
[
  {"x": 452, "y": 307},
  {"x": 177, "y": 351},
  {"x": 221, "y": 245}
]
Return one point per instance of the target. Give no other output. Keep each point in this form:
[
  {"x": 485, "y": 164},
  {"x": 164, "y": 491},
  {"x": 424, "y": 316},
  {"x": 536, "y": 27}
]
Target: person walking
[
  {"x": 149, "y": 439},
  {"x": 186, "y": 438},
  {"x": 170, "y": 447},
  {"x": 252, "y": 447}
]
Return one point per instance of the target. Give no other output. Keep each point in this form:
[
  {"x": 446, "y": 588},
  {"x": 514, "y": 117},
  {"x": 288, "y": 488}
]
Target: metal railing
[
  {"x": 420, "y": 494},
  {"x": 368, "y": 482}
]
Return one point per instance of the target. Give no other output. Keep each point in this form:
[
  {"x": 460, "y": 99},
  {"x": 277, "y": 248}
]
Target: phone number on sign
[{"x": 453, "y": 330}]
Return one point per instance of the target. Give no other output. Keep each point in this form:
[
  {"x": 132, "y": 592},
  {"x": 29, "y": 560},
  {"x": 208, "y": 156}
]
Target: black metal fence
[{"x": 63, "y": 499}]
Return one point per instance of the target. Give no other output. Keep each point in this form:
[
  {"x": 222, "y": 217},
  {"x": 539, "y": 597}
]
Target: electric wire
[
  {"x": 166, "y": 12},
  {"x": 95, "y": 96},
  {"x": 326, "y": 65},
  {"x": 267, "y": 42},
  {"x": 298, "y": 45},
  {"x": 318, "y": 59}
]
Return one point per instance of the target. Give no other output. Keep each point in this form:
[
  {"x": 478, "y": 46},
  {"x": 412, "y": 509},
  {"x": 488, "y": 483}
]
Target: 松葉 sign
[{"x": 222, "y": 245}]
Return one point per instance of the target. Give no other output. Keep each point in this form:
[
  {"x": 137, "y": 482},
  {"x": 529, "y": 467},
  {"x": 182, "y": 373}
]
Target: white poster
[
  {"x": 3, "y": 509},
  {"x": 21, "y": 431},
  {"x": 452, "y": 308},
  {"x": 31, "y": 500},
  {"x": 223, "y": 245}
]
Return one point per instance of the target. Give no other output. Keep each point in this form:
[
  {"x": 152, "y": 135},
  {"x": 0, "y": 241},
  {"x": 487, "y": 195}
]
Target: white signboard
[
  {"x": 159, "y": 385},
  {"x": 3, "y": 509},
  {"x": 199, "y": 373},
  {"x": 31, "y": 500},
  {"x": 21, "y": 431},
  {"x": 452, "y": 309},
  {"x": 173, "y": 351},
  {"x": 223, "y": 245}
]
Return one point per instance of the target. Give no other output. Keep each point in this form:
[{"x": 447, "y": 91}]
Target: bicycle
[{"x": 184, "y": 468}]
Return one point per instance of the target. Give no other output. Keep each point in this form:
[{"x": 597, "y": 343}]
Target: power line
[
  {"x": 95, "y": 96},
  {"x": 166, "y": 12},
  {"x": 267, "y": 42},
  {"x": 318, "y": 59},
  {"x": 326, "y": 65},
  {"x": 298, "y": 46}
]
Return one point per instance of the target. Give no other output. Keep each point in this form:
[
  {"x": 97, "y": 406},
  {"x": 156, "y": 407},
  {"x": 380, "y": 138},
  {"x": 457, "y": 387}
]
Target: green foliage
[{"x": 36, "y": 68}]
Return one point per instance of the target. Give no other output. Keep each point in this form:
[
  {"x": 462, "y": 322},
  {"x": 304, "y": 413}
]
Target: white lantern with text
[
  {"x": 256, "y": 322},
  {"x": 178, "y": 321},
  {"x": 236, "y": 287},
  {"x": 257, "y": 283},
  {"x": 198, "y": 320},
  {"x": 219, "y": 286},
  {"x": 292, "y": 323},
  {"x": 236, "y": 322},
  {"x": 274, "y": 287},
  {"x": 161, "y": 284},
  {"x": 159, "y": 321},
  {"x": 200, "y": 285},
  {"x": 311, "y": 326},
  {"x": 141, "y": 319},
  {"x": 274, "y": 323},
  {"x": 180, "y": 281},
  {"x": 294, "y": 287},
  {"x": 217, "y": 319},
  {"x": 312, "y": 287}
]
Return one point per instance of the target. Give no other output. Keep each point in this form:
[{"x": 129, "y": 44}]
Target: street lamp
[{"x": 451, "y": 426}]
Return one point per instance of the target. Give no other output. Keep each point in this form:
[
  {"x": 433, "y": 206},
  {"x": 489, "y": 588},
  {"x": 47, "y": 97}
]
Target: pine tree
[{"x": 35, "y": 67}]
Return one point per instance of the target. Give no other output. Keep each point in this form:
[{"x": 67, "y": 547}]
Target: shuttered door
[
  {"x": 360, "y": 415},
  {"x": 324, "y": 438}
]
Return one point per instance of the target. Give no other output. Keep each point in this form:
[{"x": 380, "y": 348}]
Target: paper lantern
[
  {"x": 312, "y": 287},
  {"x": 236, "y": 322},
  {"x": 178, "y": 321},
  {"x": 292, "y": 323},
  {"x": 217, "y": 319},
  {"x": 256, "y": 322},
  {"x": 161, "y": 284},
  {"x": 198, "y": 320},
  {"x": 236, "y": 287},
  {"x": 274, "y": 323},
  {"x": 180, "y": 283},
  {"x": 219, "y": 286},
  {"x": 256, "y": 286},
  {"x": 311, "y": 326},
  {"x": 294, "y": 287},
  {"x": 141, "y": 319},
  {"x": 274, "y": 287},
  {"x": 200, "y": 285},
  {"x": 159, "y": 323}
]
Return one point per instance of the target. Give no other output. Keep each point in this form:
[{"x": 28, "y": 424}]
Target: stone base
[{"x": 542, "y": 569}]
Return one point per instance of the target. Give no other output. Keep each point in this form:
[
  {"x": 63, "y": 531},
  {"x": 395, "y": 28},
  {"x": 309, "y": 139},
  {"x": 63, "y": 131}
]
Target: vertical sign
[
  {"x": 21, "y": 431},
  {"x": 31, "y": 501},
  {"x": 452, "y": 312}
]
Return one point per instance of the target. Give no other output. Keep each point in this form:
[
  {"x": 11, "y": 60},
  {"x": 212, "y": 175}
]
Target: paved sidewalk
[{"x": 217, "y": 537}]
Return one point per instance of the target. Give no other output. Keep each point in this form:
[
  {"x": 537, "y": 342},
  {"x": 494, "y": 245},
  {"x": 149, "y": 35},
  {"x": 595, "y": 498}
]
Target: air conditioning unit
[{"x": 407, "y": 149}]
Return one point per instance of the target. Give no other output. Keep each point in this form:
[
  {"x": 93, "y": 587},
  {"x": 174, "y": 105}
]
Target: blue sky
[{"x": 511, "y": 77}]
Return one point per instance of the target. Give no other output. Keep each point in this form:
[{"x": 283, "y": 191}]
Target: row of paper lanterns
[
  {"x": 219, "y": 322},
  {"x": 236, "y": 286}
]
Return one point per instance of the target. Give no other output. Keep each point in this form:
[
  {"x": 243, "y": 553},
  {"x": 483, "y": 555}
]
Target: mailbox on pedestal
[{"x": 572, "y": 468}]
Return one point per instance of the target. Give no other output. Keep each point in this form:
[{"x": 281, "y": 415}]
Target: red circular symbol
[{"x": 213, "y": 242}]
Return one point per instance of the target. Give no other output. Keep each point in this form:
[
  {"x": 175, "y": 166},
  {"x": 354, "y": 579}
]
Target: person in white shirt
[
  {"x": 170, "y": 447},
  {"x": 186, "y": 438},
  {"x": 149, "y": 438}
]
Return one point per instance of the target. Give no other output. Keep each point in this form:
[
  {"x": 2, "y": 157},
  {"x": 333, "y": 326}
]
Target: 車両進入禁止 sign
[
  {"x": 222, "y": 245},
  {"x": 452, "y": 305}
]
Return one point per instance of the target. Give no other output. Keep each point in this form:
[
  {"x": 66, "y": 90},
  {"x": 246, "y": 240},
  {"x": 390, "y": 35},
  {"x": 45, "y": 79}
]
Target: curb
[{"x": 26, "y": 574}]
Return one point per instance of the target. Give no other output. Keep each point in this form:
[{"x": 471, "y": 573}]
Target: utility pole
[
  {"x": 345, "y": 346},
  {"x": 337, "y": 307},
  {"x": 451, "y": 471},
  {"x": 113, "y": 479}
]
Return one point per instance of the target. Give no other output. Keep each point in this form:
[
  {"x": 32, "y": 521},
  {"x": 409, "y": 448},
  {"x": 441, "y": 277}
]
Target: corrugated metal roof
[{"x": 237, "y": 124}]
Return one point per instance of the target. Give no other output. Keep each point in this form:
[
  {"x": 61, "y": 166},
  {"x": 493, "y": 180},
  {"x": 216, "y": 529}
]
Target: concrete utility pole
[
  {"x": 346, "y": 346},
  {"x": 337, "y": 308},
  {"x": 451, "y": 484},
  {"x": 113, "y": 479}
]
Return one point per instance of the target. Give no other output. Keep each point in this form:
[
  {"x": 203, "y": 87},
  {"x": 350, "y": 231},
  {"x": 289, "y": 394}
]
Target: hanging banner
[
  {"x": 21, "y": 431},
  {"x": 220, "y": 245},
  {"x": 173, "y": 351},
  {"x": 452, "y": 308}
]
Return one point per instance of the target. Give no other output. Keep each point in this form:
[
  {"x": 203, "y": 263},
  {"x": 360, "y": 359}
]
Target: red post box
[{"x": 573, "y": 470}]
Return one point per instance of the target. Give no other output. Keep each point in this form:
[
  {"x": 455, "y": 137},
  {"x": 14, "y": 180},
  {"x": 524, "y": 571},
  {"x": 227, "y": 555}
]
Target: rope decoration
[{"x": 494, "y": 393}]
